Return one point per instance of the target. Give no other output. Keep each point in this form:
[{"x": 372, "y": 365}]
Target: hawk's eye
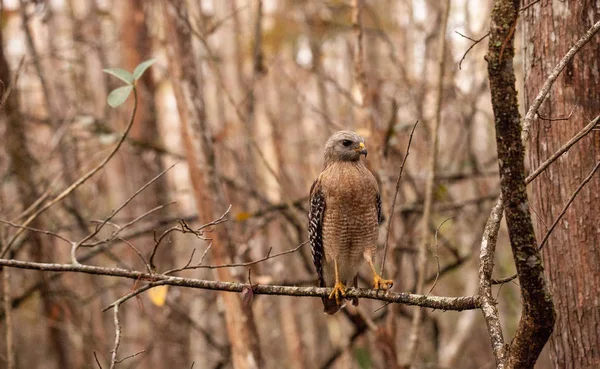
[{"x": 346, "y": 143}]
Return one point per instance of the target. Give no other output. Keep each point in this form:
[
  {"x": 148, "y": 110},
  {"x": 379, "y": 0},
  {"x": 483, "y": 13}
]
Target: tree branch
[
  {"x": 537, "y": 315},
  {"x": 389, "y": 224},
  {"x": 486, "y": 266},
  {"x": 433, "y": 302}
]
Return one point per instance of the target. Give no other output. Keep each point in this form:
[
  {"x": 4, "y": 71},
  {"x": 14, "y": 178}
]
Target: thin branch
[
  {"x": 113, "y": 360},
  {"x": 133, "y": 294},
  {"x": 233, "y": 265},
  {"x": 120, "y": 229},
  {"x": 18, "y": 226},
  {"x": 470, "y": 38},
  {"x": 139, "y": 254},
  {"x": 537, "y": 102},
  {"x": 389, "y": 225},
  {"x": 9, "y": 333},
  {"x": 558, "y": 119},
  {"x": 433, "y": 302},
  {"x": 78, "y": 182},
  {"x": 97, "y": 361},
  {"x": 437, "y": 258},
  {"x": 529, "y": 5},
  {"x": 566, "y": 207},
  {"x": 475, "y": 42},
  {"x": 216, "y": 25},
  {"x": 564, "y": 148},
  {"x": 486, "y": 266},
  {"x": 123, "y": 205},
  {"x": 413, "y": 338},
  {"x": 130, "y": 356},
  {"x": 184, "y": 228}
]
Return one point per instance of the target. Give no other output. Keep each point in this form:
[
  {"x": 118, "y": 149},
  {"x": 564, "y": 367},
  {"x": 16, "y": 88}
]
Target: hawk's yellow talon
[
  {"x": 382, "y": 284},
  {"x": 338, "y": 289}
]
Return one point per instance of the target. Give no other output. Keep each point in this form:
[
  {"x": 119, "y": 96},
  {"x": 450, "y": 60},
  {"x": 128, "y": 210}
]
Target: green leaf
[
  {"x": 119, "y": 95},
  {"x": 141, "y": 68},
  {"x": 121, "y": 74}
]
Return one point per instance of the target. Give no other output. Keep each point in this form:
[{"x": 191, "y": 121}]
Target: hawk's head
[{"x": 344, "y": 146}]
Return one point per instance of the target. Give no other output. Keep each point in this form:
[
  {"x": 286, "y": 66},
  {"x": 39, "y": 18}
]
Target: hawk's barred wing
[
  {"x": 315, "y": 228},
  {"x": 379, "y": 210}
]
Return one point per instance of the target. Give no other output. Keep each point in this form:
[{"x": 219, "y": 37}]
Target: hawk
[{"x": 344, "y": 218}]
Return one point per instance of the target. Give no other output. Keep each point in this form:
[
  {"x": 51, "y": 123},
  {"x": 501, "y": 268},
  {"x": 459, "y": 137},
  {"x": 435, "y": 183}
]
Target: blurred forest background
[{"x": 256, "y": 88}]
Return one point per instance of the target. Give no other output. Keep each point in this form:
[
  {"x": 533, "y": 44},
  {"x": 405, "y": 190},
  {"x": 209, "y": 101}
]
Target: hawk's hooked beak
[{"x": 362, "y": 149}]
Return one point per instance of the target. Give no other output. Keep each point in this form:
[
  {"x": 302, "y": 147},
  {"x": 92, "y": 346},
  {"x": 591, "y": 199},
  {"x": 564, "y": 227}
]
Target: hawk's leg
[
  {"x": 378, "y": 282},
  {"x": 339, "y": 289}
]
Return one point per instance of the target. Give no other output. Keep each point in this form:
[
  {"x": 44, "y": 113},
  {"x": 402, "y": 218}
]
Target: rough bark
[
  {"x": 570, "y": 257},
  {"x": 537, "y": 313}
]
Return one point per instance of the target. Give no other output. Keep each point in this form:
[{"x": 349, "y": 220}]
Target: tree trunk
[
  {"x": 136, "y": 47},
  {"x": 210, "y": 201},
  {"x": 571, "y": 254}
]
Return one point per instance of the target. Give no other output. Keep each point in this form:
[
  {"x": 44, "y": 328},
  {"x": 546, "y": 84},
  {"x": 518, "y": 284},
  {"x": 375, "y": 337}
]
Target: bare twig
[
  {"x": 558, "y": 119},
  {"x": 97, "y": 361},
  {"x": 437, "y": 258},
  {"x": 216, "y": 25},
  {"x": 130, "y": 356},
  {"x": 529, "y": 5},
  {"x": 113, "y": 360},
  {"x": 205, "y": 253},
  {"x": 433, "y": 302},
  {"x": 566, "y": 207},
  {"x": 78, "y": 182},
  {"x": 233, "y": 265},
  {"x": 537, "y": 102},
  {"x": 117, "y": 210},
  {"x": 389, "y": 225},
  {"x": 18, "y": 226},
  {"x": 564, "y": 148},
  {"x": 134, "y": 293},
  {"x": 116, "y": 235},
  {"x": 184, "y": 228},
  {"x": 475, "y": 42},
  {"x": 139, "y": 254}
]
